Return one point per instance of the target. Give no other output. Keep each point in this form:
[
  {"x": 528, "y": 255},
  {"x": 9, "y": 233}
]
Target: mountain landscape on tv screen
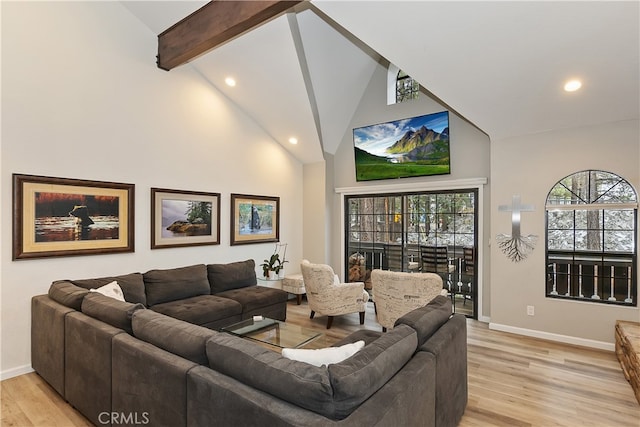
[
  {"x": 416, "y": 152},
  {"x": 423, "y": 144}
]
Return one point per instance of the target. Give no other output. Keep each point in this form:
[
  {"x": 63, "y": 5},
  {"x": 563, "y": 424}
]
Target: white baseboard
[
  {"x": 484, "y": 319},
  {"x": 554, "y": 337},
  {"x": 14, "y": 372}
]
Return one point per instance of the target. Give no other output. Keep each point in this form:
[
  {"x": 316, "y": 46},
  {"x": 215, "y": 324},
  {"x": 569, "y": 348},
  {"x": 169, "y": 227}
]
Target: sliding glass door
[{"x": 416, "y": 232}]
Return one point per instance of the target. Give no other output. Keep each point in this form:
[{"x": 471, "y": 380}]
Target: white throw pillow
[
  {"x": 112, "y": 290},
  {"x": 323, "y": 356},
  {"x": 336, "y": 280}
]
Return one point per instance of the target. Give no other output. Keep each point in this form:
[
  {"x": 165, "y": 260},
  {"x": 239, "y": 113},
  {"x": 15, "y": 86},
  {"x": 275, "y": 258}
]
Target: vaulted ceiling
[{"x": 500, "y": 65}]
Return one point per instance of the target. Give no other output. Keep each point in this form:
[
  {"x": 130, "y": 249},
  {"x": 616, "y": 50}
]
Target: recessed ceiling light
[
  {"x": 572, "y": 85},
  {"x": 230, "y": 81},
  {"x": 293, "y": 140}
]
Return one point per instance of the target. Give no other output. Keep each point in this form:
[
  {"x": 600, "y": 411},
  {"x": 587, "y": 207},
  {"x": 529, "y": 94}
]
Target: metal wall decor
[{"x": 516, "y": 246}]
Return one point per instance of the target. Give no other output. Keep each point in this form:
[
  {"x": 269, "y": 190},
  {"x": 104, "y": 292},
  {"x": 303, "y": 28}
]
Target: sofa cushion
[
  {"x": 175, "y": 284},
  {"x": 203, "y": 310},
  {"x": 132, "y": 286},
  {"x": 296, "y": 382},
  {"x": 366, "y": 335},
  {"x": 110, "y": 310},
  {"x": 234, "y": 275},
  {"x": 355, "y": 379},
  {"x": 172, "y": 335},
  {"x": 428, "y": 319},
  {"x": 254, "y": 298},
  {"x": 333, "y": 391},
  {"x": 67, "y": 294}
]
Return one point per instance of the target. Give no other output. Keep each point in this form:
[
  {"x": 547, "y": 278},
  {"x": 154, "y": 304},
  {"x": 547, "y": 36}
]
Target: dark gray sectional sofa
[
  {"x": 127, "y": 363},
  {"x": 212, "y": 296}
]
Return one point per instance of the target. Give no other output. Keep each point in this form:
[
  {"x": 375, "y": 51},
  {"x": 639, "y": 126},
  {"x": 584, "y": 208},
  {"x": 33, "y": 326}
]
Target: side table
[{"x": 270, "y": 283}]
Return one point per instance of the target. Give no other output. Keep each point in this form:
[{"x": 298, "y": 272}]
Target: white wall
[
  {"x": 82, "y": 98},
  {"x": 470, "y": 158},
  {"x": 529, "y": 166},
  {"x": 315, "y": 216}
]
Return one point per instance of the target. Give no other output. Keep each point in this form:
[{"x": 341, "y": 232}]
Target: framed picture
[
  {"x": 184, "y": 218},
  {"x": 65, "y": 217},
  {"x": 254, "y": 219}
]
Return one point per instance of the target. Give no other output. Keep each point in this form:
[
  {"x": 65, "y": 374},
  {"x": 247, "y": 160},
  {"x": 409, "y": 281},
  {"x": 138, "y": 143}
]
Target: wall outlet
[{"x": 530, "y": 310}]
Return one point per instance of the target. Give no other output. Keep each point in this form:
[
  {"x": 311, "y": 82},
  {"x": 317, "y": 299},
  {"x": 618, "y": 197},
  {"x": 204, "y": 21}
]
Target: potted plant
[
  {"x": 270, "y": 265},
  {"x": 273, "y": 267}
]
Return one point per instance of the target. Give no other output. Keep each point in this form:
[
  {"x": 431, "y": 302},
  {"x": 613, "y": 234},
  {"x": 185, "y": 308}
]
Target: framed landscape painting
[
  {"x": 254, "y": 219},
  {"x": 65, "y": 217},
  {"x": 184, "y": 218}
]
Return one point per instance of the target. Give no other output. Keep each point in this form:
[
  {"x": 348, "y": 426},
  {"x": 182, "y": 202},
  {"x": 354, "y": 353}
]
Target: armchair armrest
[
  {"x": 348, "y": 290},
  {"x": 340, "y": 299}
]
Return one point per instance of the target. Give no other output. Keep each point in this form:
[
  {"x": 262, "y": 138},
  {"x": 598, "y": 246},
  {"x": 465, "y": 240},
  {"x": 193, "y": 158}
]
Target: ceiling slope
[
  {"x": 302, "y": 78},
  {"x": 160, "y": 15},
  {"x": 340, "y": 72},
  {"x": 212, "y": 25},
  {"x": 270, "y": 85},
  {"x": 502, "y": 65}
]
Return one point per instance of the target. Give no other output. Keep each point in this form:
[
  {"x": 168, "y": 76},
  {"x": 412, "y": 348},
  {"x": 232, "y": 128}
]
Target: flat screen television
[{"x": 417, "y": 146}]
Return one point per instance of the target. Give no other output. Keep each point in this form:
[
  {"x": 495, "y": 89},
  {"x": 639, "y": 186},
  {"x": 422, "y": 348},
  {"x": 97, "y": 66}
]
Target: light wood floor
[{"x": 513, "y": 381}]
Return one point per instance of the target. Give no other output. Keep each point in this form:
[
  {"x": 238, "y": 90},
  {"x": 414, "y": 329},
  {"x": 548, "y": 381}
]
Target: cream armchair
[
  {"x": 327, "y": 296},
  {"x": 395, "y": 293}
]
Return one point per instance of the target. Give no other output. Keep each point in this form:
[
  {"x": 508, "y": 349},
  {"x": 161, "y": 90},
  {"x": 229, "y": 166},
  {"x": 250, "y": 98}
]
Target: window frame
[
  {"x": 595, "y": 275},
  {"x": 397, "y": 209},
  {"x": 409, "y": 90}
]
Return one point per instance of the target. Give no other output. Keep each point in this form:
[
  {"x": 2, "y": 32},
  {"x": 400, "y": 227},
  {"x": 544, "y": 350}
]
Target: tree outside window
[{"x": 591, "y": 238}]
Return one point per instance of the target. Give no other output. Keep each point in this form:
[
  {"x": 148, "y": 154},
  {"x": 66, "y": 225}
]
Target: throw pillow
[
  {"x": 111, "y": 290},
  {"x": 132, "y": 285},
  {"x": 323, "y": 356}
]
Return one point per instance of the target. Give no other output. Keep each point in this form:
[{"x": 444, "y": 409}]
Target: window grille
[
  {"x": 406, "y": 87},
  {"x": 394, "y": 232},
  {"x": 591, "y": 233}
]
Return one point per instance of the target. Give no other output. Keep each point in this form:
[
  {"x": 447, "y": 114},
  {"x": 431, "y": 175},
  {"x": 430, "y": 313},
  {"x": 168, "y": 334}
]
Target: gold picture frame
[
  {"x": 184, "y": 218},
  {"x": 254, "y": 219},
  {"x": 66, "y": 217}
]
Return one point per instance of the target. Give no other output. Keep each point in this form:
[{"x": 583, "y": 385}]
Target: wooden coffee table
[{"x": 275, "y": 333}]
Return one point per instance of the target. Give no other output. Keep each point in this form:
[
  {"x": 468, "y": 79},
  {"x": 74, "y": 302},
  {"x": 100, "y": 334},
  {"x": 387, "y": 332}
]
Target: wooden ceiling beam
[{"x": 213, "y": 24}]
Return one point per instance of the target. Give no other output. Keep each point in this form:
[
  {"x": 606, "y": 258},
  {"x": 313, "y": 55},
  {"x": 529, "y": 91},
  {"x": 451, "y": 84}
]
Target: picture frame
[
  {"x": 254, "y": 219},
  {"x": 55, "y": 217},
  {"x": 184, "y": 218}
]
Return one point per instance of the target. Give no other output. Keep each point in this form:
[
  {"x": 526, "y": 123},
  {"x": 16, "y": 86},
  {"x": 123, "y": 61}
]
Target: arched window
[{"x": 591, "y": 247}]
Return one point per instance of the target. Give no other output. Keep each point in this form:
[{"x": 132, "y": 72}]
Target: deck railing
[{"x": 608, "y": 278}]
